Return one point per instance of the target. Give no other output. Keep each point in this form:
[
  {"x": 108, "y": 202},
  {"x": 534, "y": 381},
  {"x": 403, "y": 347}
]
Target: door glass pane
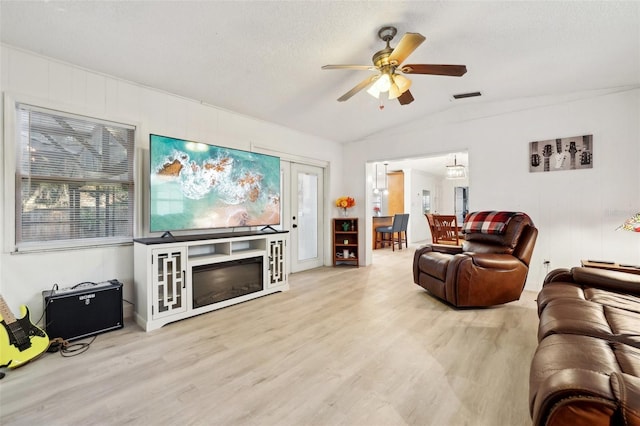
[
  {"x": 426, "y": 201},
  {"x": 307, "y": 216},
  {"x": 461, "y": 202}
]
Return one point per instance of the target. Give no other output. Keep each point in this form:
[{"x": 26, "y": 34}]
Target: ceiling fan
[{"x": 388, "y": 64}]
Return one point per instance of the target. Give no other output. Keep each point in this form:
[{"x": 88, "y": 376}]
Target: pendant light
[
  {"x": 456, "y": 171},
  {"x": 386, "y": 187},
  {"x": 375, "y": 182}
]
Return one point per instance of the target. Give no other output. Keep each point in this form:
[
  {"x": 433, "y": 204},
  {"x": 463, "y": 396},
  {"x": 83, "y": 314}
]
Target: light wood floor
[{"x": 345, "y": 346}]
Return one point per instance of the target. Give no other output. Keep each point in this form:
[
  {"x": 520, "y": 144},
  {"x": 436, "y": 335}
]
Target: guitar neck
[{"x": 6, "y": 313}]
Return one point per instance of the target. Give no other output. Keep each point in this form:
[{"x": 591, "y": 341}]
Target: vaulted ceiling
[{"x": 263, "y": 58}]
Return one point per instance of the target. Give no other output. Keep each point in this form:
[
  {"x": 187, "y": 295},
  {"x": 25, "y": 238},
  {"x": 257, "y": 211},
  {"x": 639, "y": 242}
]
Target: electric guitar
[
  {"x": 546, "y": 153},
  {"x": 20, "y": 340},
  {"x": 560, "y": 155}
]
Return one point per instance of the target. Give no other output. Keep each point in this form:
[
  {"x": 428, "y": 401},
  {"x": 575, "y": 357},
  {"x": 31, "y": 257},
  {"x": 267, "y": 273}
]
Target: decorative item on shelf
[
  {"x": 385, "y": 188},
  {"x": 631, "y": 224},
  {"x": 344, "y": 203},
  {"x": 345, "y": 226},
  {"x": 376, "y": 211}
]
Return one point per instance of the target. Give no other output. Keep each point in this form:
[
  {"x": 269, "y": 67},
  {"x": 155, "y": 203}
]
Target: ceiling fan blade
[
  {"x": 364, "y": 83},
  {"x": 349, "y": 67},
  {"x": 408, "y": 43},
  {"x": 405, "y": 98},
  {"x": 451, "y": 70}
]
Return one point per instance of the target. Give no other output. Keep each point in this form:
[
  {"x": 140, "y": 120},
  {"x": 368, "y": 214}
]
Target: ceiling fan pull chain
[{"x": 381, "y": 103}]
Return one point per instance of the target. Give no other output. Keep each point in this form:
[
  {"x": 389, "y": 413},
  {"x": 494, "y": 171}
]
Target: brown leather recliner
[{"x": 491, "y": 266}]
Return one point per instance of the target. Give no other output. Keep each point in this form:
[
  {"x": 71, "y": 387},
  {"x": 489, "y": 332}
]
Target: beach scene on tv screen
[{"x": 198, "y": 186}]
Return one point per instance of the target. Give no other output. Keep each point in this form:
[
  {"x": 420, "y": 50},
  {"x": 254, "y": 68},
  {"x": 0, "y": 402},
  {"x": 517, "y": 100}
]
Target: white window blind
[{"x": 74, "y": 178}]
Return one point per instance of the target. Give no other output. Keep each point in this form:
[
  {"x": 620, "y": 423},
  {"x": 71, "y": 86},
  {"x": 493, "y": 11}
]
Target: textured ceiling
[{"x": 263, "y": 59}]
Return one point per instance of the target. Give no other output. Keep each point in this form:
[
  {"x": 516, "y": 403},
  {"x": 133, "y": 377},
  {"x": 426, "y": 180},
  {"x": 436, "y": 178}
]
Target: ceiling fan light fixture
[
  {"x": 400, "y": 85},
  {"x": 373, "y": 91},
  {"x": 402, "y": 82},
  {"x": 394, "y": 91},
  {"x": 382, "y": 84}
]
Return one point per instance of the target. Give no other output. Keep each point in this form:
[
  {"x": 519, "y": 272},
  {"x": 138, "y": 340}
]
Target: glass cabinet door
[{"x": 169, "y": 282}]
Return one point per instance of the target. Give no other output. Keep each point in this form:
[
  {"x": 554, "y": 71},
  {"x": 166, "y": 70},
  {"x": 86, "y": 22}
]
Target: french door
[{"x": 304, "y": 214}]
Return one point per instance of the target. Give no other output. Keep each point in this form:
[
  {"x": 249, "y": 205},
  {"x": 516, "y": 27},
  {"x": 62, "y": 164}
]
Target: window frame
[{"x": 12, "y": 209}]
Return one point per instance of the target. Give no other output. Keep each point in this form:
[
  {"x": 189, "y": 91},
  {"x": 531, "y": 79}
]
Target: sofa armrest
[
  {"x": 416, "y": 260},
  {"x": 560, "y": 274},
  {"x": 447, "y": 248},
  {"x": 573, "y": 396},
  {"x": 427, "y": 248},
  {"x": 484, "y": 279},
  {"x": 442, "y": 248},
  {"x": 494, "y": 260}
]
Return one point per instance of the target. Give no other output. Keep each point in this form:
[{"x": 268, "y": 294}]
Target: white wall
[
  {"x": 447, "y": 199},
  {"x": 577, "y": 211},
  {"x": 54, "y": 84}
]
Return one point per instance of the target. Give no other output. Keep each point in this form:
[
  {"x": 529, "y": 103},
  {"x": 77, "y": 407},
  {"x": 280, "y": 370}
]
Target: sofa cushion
[
  {"x": 620, "y": 300},
  {"x": 561, "y": 290},
  {"x": 589, "y": 319},
  {"x": 558, "y": 291},
  {"x": 573, "y": 317}
]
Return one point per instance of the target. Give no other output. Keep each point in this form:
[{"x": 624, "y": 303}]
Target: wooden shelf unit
[{"x": 345, "y": 241}]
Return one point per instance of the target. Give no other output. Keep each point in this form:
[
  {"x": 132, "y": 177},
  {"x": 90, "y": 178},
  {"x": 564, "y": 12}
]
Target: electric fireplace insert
[{"x": 226, "y": 280}]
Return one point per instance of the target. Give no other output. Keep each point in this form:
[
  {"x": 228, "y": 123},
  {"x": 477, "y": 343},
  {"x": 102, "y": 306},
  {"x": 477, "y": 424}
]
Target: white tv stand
[{"x": 163, "y": 271}]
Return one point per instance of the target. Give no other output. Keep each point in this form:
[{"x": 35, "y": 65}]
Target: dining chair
[
  {"x": 402, "y": 237},
  {"x": 432, "y": 226},
  {"x": 387, "y": 234},
  {"x": 445, "y": 229}
]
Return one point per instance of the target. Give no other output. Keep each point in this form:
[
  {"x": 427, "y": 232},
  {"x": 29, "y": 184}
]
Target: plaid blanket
[{"x": 489, "y": 222}]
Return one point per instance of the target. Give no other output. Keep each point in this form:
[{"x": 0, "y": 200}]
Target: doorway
[{"x": 426, "y": 190}]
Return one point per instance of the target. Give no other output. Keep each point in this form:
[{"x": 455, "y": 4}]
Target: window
[{"x": 74, "y": 179}]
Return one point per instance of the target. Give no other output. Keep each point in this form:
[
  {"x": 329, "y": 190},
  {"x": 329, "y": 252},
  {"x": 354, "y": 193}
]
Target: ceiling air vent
[{"x": 467, "y": 95}]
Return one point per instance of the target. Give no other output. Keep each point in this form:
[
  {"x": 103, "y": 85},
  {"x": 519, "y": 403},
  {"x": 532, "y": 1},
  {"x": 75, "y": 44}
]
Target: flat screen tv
[{"x": 197, "y": 186}]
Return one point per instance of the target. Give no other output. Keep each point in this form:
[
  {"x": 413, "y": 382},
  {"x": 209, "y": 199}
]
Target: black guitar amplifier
[{"x": 83, "y": 310}]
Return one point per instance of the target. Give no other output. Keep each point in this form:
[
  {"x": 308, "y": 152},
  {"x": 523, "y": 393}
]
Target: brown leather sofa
[
  {"x": 487, "y": 269},
  {"x": 586, "y": 369}
]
